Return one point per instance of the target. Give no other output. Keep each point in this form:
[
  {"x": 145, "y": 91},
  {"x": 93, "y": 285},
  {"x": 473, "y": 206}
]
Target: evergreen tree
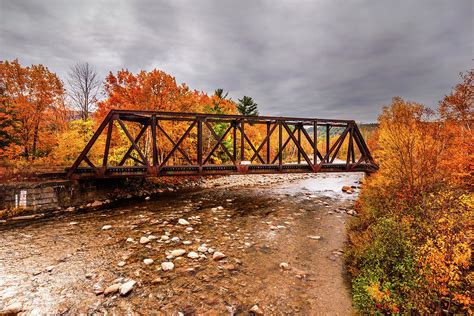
[{"x": 247, "y": 106}]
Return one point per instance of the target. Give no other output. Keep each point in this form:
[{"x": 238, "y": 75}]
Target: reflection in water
[{"x": 324, "y": 184}]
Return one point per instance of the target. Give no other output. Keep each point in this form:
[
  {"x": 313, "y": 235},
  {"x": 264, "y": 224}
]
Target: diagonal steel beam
[
  {"x": 251, "y": 145},
  {"x": 181, "y": 139},
  {"x": 265, "y": 140},
  {"x": 219, "y": 142},
  {"x": 173, "y": 143},
  {"x": 134, "y": 144}
]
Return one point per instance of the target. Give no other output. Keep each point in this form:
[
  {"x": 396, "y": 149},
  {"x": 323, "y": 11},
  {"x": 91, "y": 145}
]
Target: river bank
[{"x": 271, "y": 244}]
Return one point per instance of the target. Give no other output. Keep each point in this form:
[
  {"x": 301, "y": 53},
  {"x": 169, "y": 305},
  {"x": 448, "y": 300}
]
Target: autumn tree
[
  {"x": 36, "y": 96},
  {"x": 84, "y": 85},
  {"x": 456, "y": 112}
]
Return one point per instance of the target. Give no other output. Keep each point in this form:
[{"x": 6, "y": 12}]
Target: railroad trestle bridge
[{"x": 219, "y": 144}]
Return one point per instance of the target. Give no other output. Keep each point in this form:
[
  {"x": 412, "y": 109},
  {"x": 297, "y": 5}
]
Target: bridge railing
[{"x": 171, "y": 143}]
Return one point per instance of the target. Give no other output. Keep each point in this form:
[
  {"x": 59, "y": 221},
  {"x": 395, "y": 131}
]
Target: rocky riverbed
[{"x": 237, "y": 245}]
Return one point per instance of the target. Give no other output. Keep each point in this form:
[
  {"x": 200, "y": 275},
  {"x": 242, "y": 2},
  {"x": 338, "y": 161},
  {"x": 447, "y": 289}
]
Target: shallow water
[{"x": 257, "y": 228}]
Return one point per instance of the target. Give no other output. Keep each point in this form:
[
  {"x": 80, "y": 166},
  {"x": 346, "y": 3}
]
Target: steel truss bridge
[{"x": 232, "y": 140}]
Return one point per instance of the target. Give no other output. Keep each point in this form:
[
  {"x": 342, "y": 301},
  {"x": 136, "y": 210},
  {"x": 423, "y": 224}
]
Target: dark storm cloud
[{"x": 342, "y": 59}]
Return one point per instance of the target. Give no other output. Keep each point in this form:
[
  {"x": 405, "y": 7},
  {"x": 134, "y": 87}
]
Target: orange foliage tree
[
  {"x": 410, "y": 248},
  {"x": 35, "y": 96}
]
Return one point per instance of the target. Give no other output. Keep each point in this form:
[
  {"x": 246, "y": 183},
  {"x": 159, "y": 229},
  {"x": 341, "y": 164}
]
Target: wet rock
[
  {"x": 177, "y": 252},
  {"x": 144, "y": 240},
  {"x": 229, "y": 267},
  {"x": 167, "y": 266},
  {"x": 256, "y": 310},
  {"x": 347, "y": 189},
  {"x": 182, "y": 221},
  {"x": 114, "y": 288},
  {"x": 127, "y": 287},
  {"x": 148, "y": 261},
  {"x": 352, "y": 212},
  {"x": 284, "y": 266},
  {"x": 193, "y": 255},
  {"x": 218, "y": 255},
  {"x": 157, "y": 280},
  {"x": 96, "y": 203},
  {"x": 202, "y": 249},
  {"x": 12, "y": 309},
  {"x": 106, "y": 227}
]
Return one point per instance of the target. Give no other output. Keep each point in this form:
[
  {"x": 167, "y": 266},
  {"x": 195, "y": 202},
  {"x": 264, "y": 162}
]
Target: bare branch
[{"x": 83, "y": 88}]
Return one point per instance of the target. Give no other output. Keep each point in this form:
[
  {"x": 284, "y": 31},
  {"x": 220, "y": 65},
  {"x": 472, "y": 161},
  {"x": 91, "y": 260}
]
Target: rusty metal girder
[{"x": 146, "y": 164}]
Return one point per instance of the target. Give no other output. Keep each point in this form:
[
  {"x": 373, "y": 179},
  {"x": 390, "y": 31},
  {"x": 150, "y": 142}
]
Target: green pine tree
[{"x": 247, "y": 106}]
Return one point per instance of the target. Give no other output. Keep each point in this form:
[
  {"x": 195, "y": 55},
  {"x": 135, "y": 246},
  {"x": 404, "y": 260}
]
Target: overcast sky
[{"x": 333, "y": 59}]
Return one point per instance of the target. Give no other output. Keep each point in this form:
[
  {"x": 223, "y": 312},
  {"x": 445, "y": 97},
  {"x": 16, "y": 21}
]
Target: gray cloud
[{"x": 335, "y": 59}]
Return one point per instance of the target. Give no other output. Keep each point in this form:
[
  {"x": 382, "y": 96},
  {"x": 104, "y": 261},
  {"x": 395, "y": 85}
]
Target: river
[{"x": 282, "y": 238}]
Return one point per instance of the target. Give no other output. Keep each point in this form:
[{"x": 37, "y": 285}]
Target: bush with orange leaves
[{"x": 410, "y": 248}]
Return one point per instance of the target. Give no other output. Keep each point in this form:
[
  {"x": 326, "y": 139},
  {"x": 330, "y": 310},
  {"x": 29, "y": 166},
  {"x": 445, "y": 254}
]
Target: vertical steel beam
[
  {"x": 234, "y": 139},
  {"x": 242, "y": 141},
  {"x": 299, "y": 127},
  {"x": 153, "y": 140},
  {"x": 315, "y": 142},
  {"x": 268, "y": 143},
  {"x": 327, "y": 141},
  {"x": 280, "y": 141},
  {"x": 199, "y": 144}
]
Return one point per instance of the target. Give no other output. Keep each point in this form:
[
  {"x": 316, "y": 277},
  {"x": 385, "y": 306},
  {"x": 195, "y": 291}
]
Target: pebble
[
  {"x": 12, "y": 309},
  {"x": 175, "y": 239},
  {"x": 187, "y": 242},
  {"x": 202, "y": 249},
  {"x": 284, "y": 266},
  {"x": 148, "y": 261},
  {"x": 256, "y": 310},
  {"x": 164, "y": 237},
  {"x": 166, "y": 266},
  {"x": 210, "y": 250},
  {"x": 129, "y": 239},
  {"x": 193, "y": 255},
  {"x": 106, "y": 227},
  {"x": 144, "y": 240},
  {"x": 189, "y": 229},
  {"x": 182, "y": 221},
  {"x": 121, "y": 263},
  {"x": 50, "y": 268},
  {"x": 73, "y": 223},
  {"x": 112, "y": 289},
  {"x": 316, "y": 237},
  {"x": 218, "y": 255},
  {"x": 177, "y": 252},
  {"x": 127, "y": 287}
]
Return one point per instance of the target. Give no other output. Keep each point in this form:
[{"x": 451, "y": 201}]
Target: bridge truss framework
[{"x": 233, "y": 142}]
